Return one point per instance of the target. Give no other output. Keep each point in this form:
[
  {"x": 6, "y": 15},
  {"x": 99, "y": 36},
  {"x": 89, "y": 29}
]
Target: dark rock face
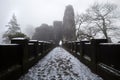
[
  {"x": 69, "y": 24},
  {"x": 58, "y": 31}
]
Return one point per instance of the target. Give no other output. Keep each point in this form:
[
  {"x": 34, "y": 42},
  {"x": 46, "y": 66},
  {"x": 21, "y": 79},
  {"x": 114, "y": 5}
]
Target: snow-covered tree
[
  {"x": 98, "y": 19},
  {"x": 13, "y": 30}
]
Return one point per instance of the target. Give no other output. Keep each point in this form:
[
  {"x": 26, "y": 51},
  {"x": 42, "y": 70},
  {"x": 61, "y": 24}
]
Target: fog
[{"x": 35, "y": 12}]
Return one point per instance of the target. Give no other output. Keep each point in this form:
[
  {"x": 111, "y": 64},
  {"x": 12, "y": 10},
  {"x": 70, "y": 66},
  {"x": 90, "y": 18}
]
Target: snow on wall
[{"x": 60, "y": 65}]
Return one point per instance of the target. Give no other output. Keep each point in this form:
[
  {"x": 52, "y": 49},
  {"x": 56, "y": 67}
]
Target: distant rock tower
[
  {"x": 58, "y": 31},
  {"x": 69, "y": 24}
]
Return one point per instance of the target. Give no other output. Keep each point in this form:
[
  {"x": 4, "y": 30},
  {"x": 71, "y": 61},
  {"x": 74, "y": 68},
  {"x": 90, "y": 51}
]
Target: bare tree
[
  {"x": 101, "y": 18},
  {"x": 84, "y": 29}
]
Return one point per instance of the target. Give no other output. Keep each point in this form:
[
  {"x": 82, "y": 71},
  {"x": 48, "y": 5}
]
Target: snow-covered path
[{"x": 60, "y": 65}]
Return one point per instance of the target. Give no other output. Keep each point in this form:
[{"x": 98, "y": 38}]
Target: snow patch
[{"x": 60, "y": 65}]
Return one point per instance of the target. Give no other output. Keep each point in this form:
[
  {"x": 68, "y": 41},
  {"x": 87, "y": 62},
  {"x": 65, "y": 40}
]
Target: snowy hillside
[{"x": 60, "y": 65}]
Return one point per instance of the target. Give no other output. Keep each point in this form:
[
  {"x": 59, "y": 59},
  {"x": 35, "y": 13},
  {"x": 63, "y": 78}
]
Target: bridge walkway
[{"x": 60, "y": 65}]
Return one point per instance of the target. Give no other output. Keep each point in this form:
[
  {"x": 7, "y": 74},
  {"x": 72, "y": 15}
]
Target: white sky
[{"x": 36, "y": 12}]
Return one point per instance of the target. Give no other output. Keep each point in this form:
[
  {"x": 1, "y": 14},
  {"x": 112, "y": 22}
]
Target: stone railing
[
  {"x": 100, "y": 56},
  {"x": 16, "y": 58}
]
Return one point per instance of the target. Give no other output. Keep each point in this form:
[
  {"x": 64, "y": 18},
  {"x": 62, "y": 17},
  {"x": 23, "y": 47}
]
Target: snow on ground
[{"x": 60, "y": 65}]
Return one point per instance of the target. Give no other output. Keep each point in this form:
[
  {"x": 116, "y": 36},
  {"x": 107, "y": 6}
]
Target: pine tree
[{"x": 13, "y": 30}]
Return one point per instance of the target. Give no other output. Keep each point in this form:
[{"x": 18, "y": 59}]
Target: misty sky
[{"x": 36, "y": 12}]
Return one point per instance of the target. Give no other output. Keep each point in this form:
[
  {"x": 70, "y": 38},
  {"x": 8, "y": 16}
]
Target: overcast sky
[{"x": 36, "y": 12}]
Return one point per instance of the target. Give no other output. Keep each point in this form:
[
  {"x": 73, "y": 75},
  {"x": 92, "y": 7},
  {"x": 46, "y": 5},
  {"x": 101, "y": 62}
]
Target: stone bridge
[{"x": 40, "y": 60}]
